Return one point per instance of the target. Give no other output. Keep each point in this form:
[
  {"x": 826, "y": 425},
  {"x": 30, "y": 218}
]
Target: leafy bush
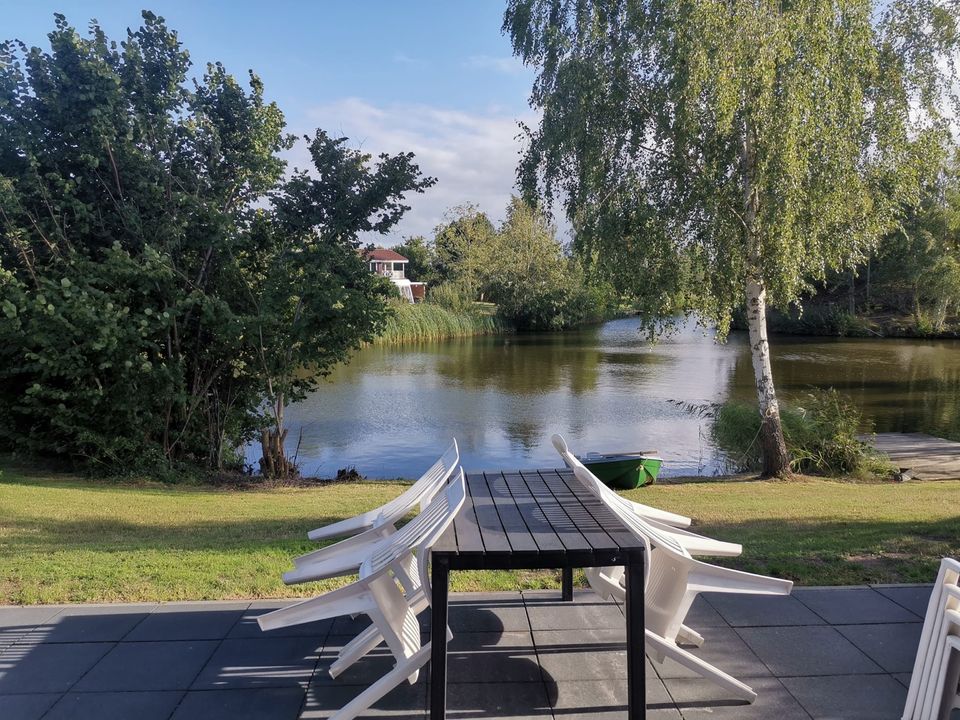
[
  {"x": 821, "y": 435},
  {"x": 452, "y": 296}
]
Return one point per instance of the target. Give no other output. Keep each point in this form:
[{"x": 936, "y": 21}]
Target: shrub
[
  {"x": 451, "y": 296},
  {"x": 821, "y": 435}
]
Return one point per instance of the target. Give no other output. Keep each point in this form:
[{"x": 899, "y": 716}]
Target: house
[
  {"x": 386, "y": 262},
  {"x": 393, "y": 265}
]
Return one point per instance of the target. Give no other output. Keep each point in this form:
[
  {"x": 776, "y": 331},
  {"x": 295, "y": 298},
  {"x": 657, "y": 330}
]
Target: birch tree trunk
[{"x": 776, "y": 460}]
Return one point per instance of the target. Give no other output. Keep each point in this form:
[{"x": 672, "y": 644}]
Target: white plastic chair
[
  {"x": 932, "y": 694},
  {"x": 422, "y": 491},
  {"x": 346, "y": 556},
  {"x": 694, "y": 544},
  {"x": 672, "y": 581},
  {"x": 377, "y": 595}
]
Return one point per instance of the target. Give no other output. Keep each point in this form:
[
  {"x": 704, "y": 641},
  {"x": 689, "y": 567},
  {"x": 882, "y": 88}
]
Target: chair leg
[
  {"x": 384, "y": 685},
  {"x": 364, "y": 643},
  {"x": 690, "y": 636},
  {"x": 707, "y": 671},
  {"x": 370, "y": 638}
]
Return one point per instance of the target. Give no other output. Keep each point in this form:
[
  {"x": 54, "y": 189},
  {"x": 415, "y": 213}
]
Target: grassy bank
[
  {"x": 64, "y": 539},
  {"x": 428, "y": 321}
]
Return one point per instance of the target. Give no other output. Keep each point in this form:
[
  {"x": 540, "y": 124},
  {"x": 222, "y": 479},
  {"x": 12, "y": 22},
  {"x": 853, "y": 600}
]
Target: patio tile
[
  {"x": 403, "y": 702},
  {"x": 90, "y": 623},
  {"x": 851, "y": 697},
  {"x": 148, "y": 666},
  {"x": 346, "y": 625},
  {"x": 703, "y": 614},
  {"x": 893, "y": 646},
  {"x": 511, "y": 700},
  {"x": 188, "y": 621},
  {"x": 507, "y": 657},
  {"x": 363, "y": 672},
  {"x": 722, "y": 647},
  {"x": 115, "y": 706},
  {"x": 47, "y": 668},
  {"x": 700, "y": 698},
  {"x": 913, "y": 597},
  {"x": 602, "y": 700},
  {"x": 558, "y": 615},
  {"x": 247, "y": 627},
  {"x": 259, "y": 662},
  {"x": 592, "y": 654},
  {"x": 487, "y": 616},
  {"x": 15, "y": 622},
  {"x": 811, "y": 650},
  {"x": 842, "y": 606},
  {"x": 26, "y": 707},
  {"x": 259, "y": 704},
  {"x": 903, "y": 678},
  {"x": 760, "y": 611}
]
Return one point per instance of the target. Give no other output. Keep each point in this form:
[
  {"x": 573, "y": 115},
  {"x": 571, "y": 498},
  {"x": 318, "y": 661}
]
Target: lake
[{"x": 392, "y": 410}]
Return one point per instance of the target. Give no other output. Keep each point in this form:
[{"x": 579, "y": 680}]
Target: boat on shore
[{"x": 624, "y": 471}]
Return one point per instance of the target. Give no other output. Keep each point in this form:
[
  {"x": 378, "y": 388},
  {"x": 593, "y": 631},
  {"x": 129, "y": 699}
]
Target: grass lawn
[{"x": 65, "y": 539}]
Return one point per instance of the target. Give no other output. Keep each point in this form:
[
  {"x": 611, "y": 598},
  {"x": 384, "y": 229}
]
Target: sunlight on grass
[{"x": 66, "y": 539}]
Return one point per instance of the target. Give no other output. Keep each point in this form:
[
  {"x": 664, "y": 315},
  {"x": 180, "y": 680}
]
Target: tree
[
  {"x": 532, "y": 281},
  {"x": 727, "y": 154},
  {"x": 917, "y": 266},
  {"x": 422, "y": 257},
  {"x": 315, "y": 300},
  {"x": 462, "y": 244},
  {"x": 160, "y": 282}
]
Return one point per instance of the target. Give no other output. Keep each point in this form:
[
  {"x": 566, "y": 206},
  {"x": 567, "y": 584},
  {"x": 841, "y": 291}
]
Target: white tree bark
[{"x": 776, "y": 461}]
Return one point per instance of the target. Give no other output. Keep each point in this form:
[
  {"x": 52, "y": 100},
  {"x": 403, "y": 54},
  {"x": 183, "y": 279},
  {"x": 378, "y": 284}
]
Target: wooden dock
[{"x": 924, "y": 457}]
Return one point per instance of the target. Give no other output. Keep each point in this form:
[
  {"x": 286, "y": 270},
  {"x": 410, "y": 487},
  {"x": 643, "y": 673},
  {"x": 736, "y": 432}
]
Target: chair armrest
[
  {"x": 704, "y": 577},
  {"x": 367, "y": 537},
  {"x": 349, "y": 526},
  {"x": 652, "y": 513}
]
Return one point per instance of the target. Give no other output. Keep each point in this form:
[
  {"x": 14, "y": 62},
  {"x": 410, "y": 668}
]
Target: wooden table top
[{"x": 531, "y": 519}]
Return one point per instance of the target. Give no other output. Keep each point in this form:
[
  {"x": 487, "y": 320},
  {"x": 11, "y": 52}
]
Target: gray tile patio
[{"x": 821, "y": 653}]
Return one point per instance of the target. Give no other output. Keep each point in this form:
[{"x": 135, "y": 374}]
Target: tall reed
[{"x": 429, "y": 321}]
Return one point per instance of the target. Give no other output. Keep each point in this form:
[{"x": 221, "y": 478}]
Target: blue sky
[{"x": 434, "y": 78}]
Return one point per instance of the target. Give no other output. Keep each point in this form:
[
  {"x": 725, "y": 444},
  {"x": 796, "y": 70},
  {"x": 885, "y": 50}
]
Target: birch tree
[{"x": 714, "y": 155}]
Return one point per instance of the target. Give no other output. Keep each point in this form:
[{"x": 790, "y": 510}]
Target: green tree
[
  {"x": 532, "y": 281},
  {"x": 916, "y": 268},
  {"x": 315, "y": 300},
  {"x": 727, "y": 154},
  {"x": 159, "y": 280},
  {"x": 420, "y": 253},
  {"x": 462, "y": 244}
]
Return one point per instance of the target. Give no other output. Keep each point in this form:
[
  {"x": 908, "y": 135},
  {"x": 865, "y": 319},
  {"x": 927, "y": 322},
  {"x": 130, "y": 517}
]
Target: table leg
[
  {"x": 566, "y": 584},
  {"x": 636, "y": 641},
  {"x": 440, "y": 579}
]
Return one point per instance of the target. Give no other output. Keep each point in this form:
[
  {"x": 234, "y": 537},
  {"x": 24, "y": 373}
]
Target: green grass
[
  {"x": 428, "y": 321},
  {"x": 65, "y": 539}
]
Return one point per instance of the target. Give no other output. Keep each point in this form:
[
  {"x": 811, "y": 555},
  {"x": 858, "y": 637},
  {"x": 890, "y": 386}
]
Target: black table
[{"x": 534, "y": 520}]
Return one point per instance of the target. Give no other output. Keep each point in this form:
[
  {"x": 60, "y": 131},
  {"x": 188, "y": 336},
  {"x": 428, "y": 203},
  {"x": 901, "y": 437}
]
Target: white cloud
[
  {"x": 508, "y": 65},
  {"x": 473, "y": 156},
  {"x": 404, "y": 59}
]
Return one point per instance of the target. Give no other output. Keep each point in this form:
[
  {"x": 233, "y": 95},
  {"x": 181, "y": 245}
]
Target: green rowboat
[{"x": 624, "y": 471}]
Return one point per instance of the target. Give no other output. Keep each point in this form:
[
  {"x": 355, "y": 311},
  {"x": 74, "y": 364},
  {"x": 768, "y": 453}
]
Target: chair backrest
[
  {"x": 423, "y": 530},
  {"x": 617, "y": 504},
  {"x": 424, "y": 488}
]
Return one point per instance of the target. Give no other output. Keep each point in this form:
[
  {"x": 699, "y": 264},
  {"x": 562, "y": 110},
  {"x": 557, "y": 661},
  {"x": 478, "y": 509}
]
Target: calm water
[{"x": 604, "y": 388}]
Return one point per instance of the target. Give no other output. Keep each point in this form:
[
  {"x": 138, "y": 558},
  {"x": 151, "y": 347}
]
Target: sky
[{"x": 434, "y": 78}]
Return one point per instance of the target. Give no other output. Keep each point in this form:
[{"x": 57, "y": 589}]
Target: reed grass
[{"x": 429, "y": 321}]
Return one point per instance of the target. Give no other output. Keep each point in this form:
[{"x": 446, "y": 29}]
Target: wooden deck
[{"x": 925, "y": 457}]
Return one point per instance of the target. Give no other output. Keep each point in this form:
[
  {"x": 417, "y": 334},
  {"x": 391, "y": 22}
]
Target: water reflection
[{"x": 603, "y": 387}]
